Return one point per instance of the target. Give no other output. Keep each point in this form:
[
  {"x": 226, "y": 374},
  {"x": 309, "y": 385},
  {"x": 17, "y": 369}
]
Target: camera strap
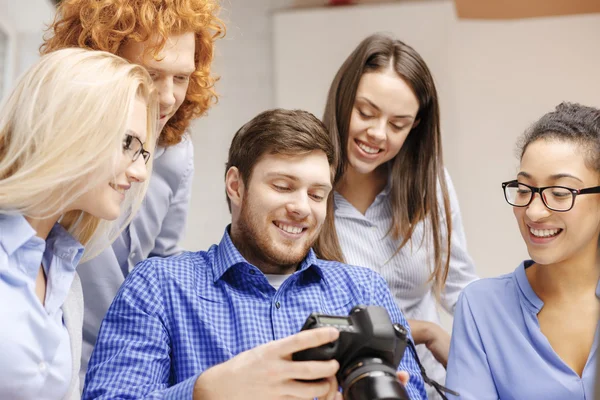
[{"x": 438, "y": 387}]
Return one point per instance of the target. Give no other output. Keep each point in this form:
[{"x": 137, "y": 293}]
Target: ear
[{"x": 234, "y": 186}]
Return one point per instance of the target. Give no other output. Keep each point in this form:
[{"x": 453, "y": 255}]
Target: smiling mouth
[
  {"x": 366, "y": 148},
  {"x": 117, "y": 188},
  {"x": 289, "y": 229},
  {"x": 545, "y": 233}
]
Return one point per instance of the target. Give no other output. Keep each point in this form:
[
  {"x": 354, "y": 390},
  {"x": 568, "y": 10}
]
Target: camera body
[{"x": 369, "y": 350}]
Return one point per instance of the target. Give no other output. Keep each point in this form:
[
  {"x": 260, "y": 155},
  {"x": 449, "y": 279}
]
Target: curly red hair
[{"x": 109, "y": 24}]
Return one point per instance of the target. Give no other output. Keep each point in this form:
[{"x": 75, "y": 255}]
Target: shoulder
[
  {"x": 342, "y": 275},
  {"x": 486, "y": 295},
  {"x": 176, "y": 162},
  {"x": 182, "y": 269}
]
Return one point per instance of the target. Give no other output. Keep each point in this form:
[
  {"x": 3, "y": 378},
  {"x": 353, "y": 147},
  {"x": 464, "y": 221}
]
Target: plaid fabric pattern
[{"x": 175, "y": 317}]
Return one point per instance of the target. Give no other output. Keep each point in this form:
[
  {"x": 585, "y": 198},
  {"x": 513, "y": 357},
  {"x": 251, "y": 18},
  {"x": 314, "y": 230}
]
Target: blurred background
[{"x": 498, "y": 65}]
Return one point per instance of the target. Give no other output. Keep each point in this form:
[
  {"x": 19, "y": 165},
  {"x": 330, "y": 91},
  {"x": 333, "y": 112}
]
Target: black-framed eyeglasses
[
  {"x": 134, "y": 146},
  {"x": 555, "y": 198}
]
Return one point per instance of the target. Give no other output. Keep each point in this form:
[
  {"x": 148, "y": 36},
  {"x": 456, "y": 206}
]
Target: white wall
[
  {"x": 494, "y": 79},
  {"x": 26, "y": 19},
  {"x": 244, "y": 62}
]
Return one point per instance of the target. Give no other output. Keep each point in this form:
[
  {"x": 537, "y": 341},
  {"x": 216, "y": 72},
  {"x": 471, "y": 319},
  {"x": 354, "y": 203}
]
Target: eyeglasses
[
  {"x": 134, "y": 146},
  {"x": 555, "y": 198}
]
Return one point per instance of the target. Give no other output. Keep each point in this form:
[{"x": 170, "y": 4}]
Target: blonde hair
[{"x": 61, "y": 130}]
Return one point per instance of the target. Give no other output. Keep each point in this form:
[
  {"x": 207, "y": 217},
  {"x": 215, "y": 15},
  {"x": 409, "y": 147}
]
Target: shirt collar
[
  {"x": 15, "y": 231},
  {"x": 62, "y": 244},
  {"x": 228, "y": 255},
  {"x": 532, "y": 301}
]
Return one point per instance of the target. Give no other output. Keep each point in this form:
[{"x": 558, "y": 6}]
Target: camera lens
[{"x": 372, "y": 379}]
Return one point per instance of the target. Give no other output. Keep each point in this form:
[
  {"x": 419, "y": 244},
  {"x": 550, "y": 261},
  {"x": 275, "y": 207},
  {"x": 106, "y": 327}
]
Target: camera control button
[{"x": 278, "y": 305}]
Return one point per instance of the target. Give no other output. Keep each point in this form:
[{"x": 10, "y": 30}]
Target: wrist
[
  {"x": 204, "y": 388},
  {"x": 422, "y": 331}
]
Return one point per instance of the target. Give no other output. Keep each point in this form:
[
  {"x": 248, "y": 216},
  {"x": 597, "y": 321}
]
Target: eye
[
  {"x": 127, "y": 142},
  {"x": 396, "y": 127},
  {"x": 281, "y": 188},
  {"x": 364, "y": 114},
  {"x": 182, "y": 78},
  {"x": 561, "y": 194},
  {"x": 317, "y": 197}
]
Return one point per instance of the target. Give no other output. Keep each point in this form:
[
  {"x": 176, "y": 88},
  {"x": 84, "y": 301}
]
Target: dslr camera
[{"x": 368, "y": 350}]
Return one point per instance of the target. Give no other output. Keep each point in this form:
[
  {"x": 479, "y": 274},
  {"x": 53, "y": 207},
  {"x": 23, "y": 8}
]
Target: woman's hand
[{"x": 433, "y": 336}]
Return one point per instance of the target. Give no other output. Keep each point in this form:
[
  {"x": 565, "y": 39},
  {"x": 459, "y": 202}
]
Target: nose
[
  {"x": 376, "y": 132},
  {"x": 299, "y": 207},
  {"x": 137, "y": 170},
  {"x": 537, "y": 210},
  {"x": 166, "y": 94}
]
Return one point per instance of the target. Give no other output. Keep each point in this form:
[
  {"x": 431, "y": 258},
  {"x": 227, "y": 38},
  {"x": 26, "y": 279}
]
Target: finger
[
  {"x": 333, "y": 390},
  {"x": 403, "y": 377},
  {"x": 311, "y": 370},
  {"x": 303, "y": 340},
  {"x": 307, "y": 390}
]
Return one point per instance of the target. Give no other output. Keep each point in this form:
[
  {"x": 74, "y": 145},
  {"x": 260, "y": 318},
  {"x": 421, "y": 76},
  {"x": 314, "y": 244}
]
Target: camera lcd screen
[{"x": 334, "y": 321}]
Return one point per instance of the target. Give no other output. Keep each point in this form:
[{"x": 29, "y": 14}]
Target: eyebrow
[
  {"x": 378, "y": 109},
  {"x": 552, "y": 177},
  {"x": 184, "y": 71},
  {"x": 295, "y": 179},
  {"x": 134, "y": 134}
]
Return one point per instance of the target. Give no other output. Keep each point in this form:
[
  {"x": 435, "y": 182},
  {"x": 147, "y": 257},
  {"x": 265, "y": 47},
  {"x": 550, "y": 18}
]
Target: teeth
[
  {"x": 544, "y": 232},
  {"x": 367, "y": 149},
  {"x": 289, "y": 228}
]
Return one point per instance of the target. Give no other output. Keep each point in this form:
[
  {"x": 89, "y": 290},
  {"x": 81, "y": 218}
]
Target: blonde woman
[{"x": 73, "y": 139}]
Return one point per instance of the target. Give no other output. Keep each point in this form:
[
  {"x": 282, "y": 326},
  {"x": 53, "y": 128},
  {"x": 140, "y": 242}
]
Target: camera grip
[{"x": 325, "y": 352}]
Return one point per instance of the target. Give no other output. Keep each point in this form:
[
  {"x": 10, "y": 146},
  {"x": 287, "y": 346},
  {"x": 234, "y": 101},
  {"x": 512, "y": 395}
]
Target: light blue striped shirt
[
  {"x": 364, "y": 241},
  {"x": 35, "y": 348},
  {"x": 498, "y": 350}
]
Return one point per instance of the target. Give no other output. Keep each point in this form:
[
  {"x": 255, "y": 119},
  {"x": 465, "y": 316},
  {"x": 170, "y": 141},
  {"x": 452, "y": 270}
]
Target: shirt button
[
  {"x": 277, "y": 305},
  {"x": 133, "y": 254},
  {"x": 42, "y": 366},
  {"x": 252, "y": 272}
]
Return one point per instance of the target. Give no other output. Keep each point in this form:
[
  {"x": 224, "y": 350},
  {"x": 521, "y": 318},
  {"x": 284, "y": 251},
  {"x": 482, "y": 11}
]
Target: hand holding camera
[
  {"x": 267, "y": 372},
  {"x": 369, "y": 350}
]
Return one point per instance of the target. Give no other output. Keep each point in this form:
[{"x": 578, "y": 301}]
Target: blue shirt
[
  {"x": 156, "y": 230},
  {"x": 173, "y": 318},
  {"x": 35, "y": 348},
  {"x": 499, "y": 352}
]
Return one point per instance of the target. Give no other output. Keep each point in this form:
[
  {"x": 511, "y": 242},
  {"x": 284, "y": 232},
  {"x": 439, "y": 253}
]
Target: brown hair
[
  {"x": 108, "y": 25},
  {"x": 278, "y": 131},
  {"x": 417, "y": 169}
]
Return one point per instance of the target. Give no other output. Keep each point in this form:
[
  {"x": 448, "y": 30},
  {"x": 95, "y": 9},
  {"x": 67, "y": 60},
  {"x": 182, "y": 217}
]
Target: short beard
[{"x": 257, "y": 247}]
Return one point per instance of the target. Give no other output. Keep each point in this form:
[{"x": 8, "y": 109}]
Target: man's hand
[
  {"x": 267, "y": 372},
  {"x": 403, "y": 377},
  {"x": 433, "y": 336}
]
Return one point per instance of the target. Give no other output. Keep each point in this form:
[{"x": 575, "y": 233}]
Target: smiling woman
[
  {"x": 532, "y": 334},
  {"x": 72, "y": 158}
]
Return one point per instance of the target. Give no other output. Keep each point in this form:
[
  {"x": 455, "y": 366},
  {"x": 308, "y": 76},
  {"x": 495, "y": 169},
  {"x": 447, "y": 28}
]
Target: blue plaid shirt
[{"x": 175, "y": 317}]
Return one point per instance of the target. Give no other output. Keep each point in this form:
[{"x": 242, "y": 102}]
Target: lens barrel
[{"x": 372, "y": 379}]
